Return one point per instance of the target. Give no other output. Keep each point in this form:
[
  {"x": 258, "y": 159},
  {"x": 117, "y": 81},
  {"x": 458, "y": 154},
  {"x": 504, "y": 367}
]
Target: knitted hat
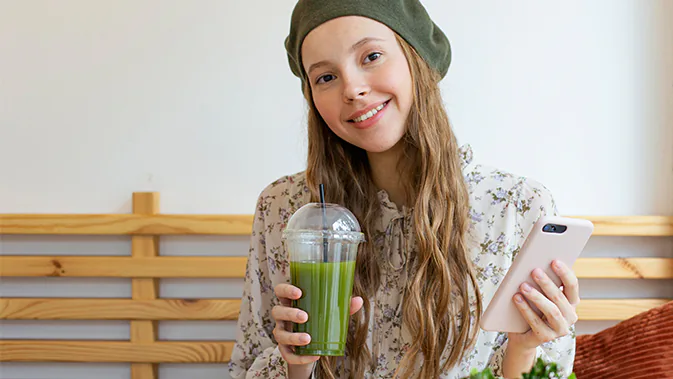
[{"x": 408, "y": 18}]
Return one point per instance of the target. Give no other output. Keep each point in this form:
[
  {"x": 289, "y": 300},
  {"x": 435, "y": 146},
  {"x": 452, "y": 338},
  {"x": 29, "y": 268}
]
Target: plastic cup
[{"x": 322, "y": 241}]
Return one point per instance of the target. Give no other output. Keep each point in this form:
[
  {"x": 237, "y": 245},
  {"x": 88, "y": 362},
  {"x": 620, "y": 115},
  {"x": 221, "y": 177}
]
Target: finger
[
  {"x": 294, "y": 359},
  {"x": 541, "y": 330},
  {"x": 551, "y": 312},
  {"x": 281, "y": 313},
  {"x": 287, "y": 291},
  {"x": 284, "y": 337},
  {"x": 570, "y": 282},
  {"x": 554, "y": 294},
  {"x": 356, "y": 304},
  {"x": 280, "y": 324}
]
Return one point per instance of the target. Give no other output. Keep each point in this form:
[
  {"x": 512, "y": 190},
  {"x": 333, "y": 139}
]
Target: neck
[{"x": 385, "y": 175}]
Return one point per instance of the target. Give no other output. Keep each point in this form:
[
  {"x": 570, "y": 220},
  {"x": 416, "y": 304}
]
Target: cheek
[
  {"x": 398, "y": 83},
  {"x": 327, "y": 108},
  {"x": 404, "y": 89}
]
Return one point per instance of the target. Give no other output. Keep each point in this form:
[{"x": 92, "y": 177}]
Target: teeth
[{"x": 370, "y": 113}]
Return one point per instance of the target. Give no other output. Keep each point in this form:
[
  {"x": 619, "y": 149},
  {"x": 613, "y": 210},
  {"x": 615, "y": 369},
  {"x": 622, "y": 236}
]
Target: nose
[{"x": 355, "y": 87}]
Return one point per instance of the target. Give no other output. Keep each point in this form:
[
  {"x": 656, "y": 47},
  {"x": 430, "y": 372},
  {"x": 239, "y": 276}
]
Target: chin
[
  {"x": 378, "y": 142},
  {"x": 377, "y": 148}
]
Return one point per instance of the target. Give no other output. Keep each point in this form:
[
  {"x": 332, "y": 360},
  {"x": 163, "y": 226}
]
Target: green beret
[{"x": 408, "y": 18}]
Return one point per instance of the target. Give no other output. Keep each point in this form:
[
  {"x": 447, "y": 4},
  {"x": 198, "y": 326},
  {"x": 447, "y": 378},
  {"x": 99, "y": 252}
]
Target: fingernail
[
  {"x": 518, "y": 298},
  {"x": 301, "y": 316},
  {"x": 304, "y": 338},
  {"x": 296, "y": 293},
  {"x": 537, "y": 273},
  {"x": 557, "y": 266},
  {"x": 526, "y": 287}
]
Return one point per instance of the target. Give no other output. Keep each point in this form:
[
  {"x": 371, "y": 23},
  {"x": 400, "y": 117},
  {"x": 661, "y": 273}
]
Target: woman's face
[{"x": 360, "y": 81}]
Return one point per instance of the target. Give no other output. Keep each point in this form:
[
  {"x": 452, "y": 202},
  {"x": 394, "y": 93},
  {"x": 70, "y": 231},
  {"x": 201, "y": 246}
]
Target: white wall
[{"x": 195, "y": 100}]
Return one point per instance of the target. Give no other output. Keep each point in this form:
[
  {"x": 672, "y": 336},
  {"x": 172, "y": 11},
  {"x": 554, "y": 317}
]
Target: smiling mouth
[{"x": 369, "y": 114}]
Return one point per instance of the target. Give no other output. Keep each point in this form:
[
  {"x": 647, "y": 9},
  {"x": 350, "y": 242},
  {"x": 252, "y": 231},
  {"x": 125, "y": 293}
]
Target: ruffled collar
[{"x": 390, "y": 210}]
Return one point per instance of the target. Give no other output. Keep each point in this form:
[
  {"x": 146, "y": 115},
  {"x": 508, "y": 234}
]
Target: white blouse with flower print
[{"x": 503, "y": 209}]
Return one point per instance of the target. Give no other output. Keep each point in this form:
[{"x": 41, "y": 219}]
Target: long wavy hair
[{"x": 437, "y": 301}]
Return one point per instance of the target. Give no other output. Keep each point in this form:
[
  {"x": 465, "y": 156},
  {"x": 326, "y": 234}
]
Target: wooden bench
[{"x": 144, "y": 266}]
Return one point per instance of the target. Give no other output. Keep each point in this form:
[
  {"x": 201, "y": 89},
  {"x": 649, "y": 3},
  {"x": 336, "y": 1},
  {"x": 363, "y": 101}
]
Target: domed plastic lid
[{"x": 317, "y": 222}]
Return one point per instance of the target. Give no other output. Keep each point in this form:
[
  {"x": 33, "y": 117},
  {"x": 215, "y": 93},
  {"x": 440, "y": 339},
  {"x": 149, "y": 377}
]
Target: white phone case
[{"x": 539, "y": 250}]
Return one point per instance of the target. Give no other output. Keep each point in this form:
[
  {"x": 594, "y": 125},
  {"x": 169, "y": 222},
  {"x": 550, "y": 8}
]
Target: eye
[
  {"x": 372, "y": 57},
  {"x": 325, "y": 78}
]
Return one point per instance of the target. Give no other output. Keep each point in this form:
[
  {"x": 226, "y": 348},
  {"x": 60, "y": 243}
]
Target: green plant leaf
[{"x": 540, "y": 370}]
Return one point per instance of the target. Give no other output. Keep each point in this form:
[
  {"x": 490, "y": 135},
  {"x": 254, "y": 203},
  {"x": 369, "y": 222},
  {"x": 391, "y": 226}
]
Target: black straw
[{"x": 324, "y": 223}]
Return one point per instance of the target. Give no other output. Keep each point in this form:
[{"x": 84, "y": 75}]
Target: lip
[
  {"x": 361, "y": 112},
  {"x": 372, "y": 120}
]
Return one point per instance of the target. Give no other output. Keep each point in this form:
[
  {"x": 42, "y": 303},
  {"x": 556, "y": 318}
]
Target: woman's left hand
[{"x": 558, "y": 307}]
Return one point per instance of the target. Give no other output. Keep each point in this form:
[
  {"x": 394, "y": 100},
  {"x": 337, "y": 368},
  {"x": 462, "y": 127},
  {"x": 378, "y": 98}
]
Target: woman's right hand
[{"x": 300, "y": 366}]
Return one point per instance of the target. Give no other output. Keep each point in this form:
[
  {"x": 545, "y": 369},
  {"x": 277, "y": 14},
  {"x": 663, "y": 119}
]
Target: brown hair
[{"x": 434, "y": 184}]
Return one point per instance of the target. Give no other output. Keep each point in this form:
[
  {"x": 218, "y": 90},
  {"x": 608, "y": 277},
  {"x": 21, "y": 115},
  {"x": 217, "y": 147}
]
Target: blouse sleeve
[
  {"x": 535, "y": 201},
  {"x": 255, "y": 353}
]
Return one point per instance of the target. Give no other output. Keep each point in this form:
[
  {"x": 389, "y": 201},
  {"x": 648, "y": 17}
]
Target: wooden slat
[
  {"x": 118, "y": 309},
  {"x": 219, "y": 352},
  {"x": 615, "y": 309},
  {"x": 646, "y": 226},
  {"x": 227, "y": 309},
  {"x": 99, "y": 351},
  {"x": 624, "y": 268},
  {"x": 234, "y": 267},
  {"x": 147, "y": 289},
  {"x": 124, "y": 267},
  {"x": 125, "y": 224},
  {"x": 185, "y": 224}
]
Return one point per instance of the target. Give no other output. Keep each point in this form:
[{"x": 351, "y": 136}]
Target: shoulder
[
  {"x": 492, "y": 187},
  {"x": 281, "y": 198},
  {"x": 504, "y": 206}
]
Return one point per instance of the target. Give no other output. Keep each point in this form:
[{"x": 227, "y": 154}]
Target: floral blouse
[{"x": 504, "y": 208}]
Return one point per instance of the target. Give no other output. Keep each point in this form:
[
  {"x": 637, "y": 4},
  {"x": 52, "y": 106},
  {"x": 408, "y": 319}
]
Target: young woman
[{"x": 441, "y": 230}]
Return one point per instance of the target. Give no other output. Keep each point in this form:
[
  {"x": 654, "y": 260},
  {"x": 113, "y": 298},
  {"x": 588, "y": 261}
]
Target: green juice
[{"x": 326, "y": 297}]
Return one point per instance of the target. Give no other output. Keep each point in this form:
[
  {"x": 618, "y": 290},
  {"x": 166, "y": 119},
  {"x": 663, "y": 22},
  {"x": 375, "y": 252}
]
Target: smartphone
[{"x": 552, "y": 238}]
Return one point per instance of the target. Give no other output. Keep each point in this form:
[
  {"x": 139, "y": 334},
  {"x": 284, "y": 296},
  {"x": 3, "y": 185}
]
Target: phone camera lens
[
  {"x": 554, "y": 228},
  {"x": 549, "y": 228}
]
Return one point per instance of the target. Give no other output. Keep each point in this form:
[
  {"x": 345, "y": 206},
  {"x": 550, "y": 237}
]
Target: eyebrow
[{"x": 354, "y": 47}]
